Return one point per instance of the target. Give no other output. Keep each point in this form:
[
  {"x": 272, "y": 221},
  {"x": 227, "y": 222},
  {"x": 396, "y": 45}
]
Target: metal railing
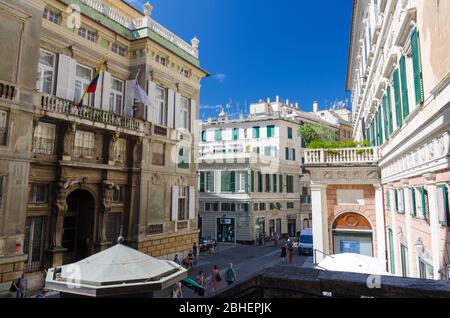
[
  {"x": 7, "y": 90},
  {"x": 59, "y": 105}
]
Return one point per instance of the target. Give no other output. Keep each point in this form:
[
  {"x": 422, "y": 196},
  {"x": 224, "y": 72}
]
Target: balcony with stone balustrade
[{"x": 342, "y": 156}]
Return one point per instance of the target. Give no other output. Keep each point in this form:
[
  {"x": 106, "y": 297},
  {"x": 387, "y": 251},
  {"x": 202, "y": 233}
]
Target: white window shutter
[
  {"x": 99, "y": 92},
  {"x": 170, "y": 112},
  {"x": 192, "y": 203},
  {"x": 194, "y": 116},
  {"x": 177, "y": 111},
  {"x": 152, "y": 111},
  {"x": 106, "y": 90},
  {"x": 65, "y": 83},
  {"x": 175, "y": 194},
  {"x": 129, "y": 98},
  {"x": 418, "y": 202}
]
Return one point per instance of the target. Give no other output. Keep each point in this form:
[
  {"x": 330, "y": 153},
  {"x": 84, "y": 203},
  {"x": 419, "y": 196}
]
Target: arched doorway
[
  {"x": 78, "y": 227},
  {"x": 352, "y": 233}
]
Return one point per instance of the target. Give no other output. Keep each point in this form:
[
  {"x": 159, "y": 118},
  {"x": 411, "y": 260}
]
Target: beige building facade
[{"x": 73, "y": 178}]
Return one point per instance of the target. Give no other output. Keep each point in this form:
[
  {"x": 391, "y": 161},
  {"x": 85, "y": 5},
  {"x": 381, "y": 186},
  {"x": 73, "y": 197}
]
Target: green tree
[{"x": 315, "y": 132}]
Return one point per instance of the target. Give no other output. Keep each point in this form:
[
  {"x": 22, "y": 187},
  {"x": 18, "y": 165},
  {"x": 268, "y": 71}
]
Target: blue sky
[{"x": 255, "y": 49}]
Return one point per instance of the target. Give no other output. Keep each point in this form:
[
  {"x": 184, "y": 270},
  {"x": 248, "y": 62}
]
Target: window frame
[
  {"x": 45, "y": 68},
  {"x": 113, "y": 94}
]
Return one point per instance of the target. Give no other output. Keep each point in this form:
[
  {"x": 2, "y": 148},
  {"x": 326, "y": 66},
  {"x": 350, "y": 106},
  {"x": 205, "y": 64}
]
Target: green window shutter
[
  {"x": 267, "y": 182},
  {"x": 270, "y": 131},
  {"x": 289, "y": 132},
  {"x": 380, "y": 123},
  {"x": 417, "y": 67},
  {"x": 287, "y": 153},
  {"x": 397, "y": 96},
  {"x": 256, "y": 132},
  {"x": 372, "y": 132},
  {"x": 204, "y": 136},
  {"x": 424, "y": 212},
  {"x": 413, "y": 202},
  {"x": 396, "y": 200},
  {"x": 391, "y": 251},
  {"x": 293, "y": 154},
  {"x": 233, "y": 181},
  {"x": 405, "y": 101},
  {"x": 235, "y": 134},
  {"x": 274, "y": 183},
  {"x": 218, "y": 135},
  {"x": 246, "y": 182},
  {"x": 202, "y": 181},
  {"x": 386, "y": 119},
  {"x": 260, "y": 181},
  {"x": 389, "y": 106},
  {"x": 281, "y": 183},
  {"x": 252, "y": 177}
]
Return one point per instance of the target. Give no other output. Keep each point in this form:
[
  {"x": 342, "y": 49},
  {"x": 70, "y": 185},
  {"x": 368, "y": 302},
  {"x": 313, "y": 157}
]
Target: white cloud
[{"x": 220, "y": 77}]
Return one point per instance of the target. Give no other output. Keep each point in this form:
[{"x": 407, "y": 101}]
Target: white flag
[{"x": 141, "y": 96}]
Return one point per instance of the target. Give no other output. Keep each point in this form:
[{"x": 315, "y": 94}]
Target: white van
[{"x": 305, "y": 246}]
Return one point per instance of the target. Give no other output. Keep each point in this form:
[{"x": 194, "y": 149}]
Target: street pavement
[{"x": 247, "y": 260}]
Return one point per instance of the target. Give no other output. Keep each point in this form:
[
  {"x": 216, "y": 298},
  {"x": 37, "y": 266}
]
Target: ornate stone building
[{"x": 73, "y": 178}]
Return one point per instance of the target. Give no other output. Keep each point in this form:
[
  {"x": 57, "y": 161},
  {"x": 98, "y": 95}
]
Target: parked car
[
  {"x": 206, "y": 243},
  {"x": 305, "y": 246}
]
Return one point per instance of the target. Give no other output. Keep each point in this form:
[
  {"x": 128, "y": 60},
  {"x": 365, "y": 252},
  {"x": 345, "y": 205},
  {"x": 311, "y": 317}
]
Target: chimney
[{"x": 315, "y": 107}]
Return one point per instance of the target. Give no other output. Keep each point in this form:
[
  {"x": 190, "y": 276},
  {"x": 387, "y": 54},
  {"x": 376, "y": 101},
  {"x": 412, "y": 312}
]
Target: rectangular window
[
  {"x": 116, "y": 96},
  {"x": 183, "y": 158},
  {"x": 39, "y": 193},
  {"x": 443, "y": 204},
  {"x": 255, "y": 207},
  {"x": 33, "y": 244},
  {"x": 161, "y": 106},
  {"x": 228, "y": 207},
  {"x": 398, "y": 101},
  {"x": 289, "y": 133},
  {"x": 185, "y": 72},
  {"x": 160, "y": 59},
  {"x": 417, "y": 67},
  {"x": 184, "y": 108},
  {"x": 388, "y": 199},
  {"x": 113, "y": 225},
  {"x": 84, "y": 144},
  {"x": 87, "y": 34},
  {"x": 235, "y": 134},
  {"x": 83, "y": 78},
  {"x": 120, "y": 150},
  {"x": 274, "y": 183},
  {"x": 270, "y": 131},
  {"x": 203, "y": 135},
  {"x": 289, "y": 184},
  {"x": 260, "y": 182},
  {"x": 228, "y": 181},
  {"x": 218, "y": 135},
  {"x": 290, "y": 205},
  {"x": 3, "y": 127},
  {"x": 44, "y": 139},
  {"x": 252, "y": 177},
  {"x": 405, "y": 103},
  {"x": 118, "y": 49},
  {"x": 267, "y": 182},
  {"x": 281, "y": 183},
  {"x": 212, "y": 207},
  {"x": 262, "y": 206},
  {"x": 46, "y": 72},
  {"x": 118, "y": 194},
  {"x": 256, "y": 132},
  {"x": 182, "y": 204},
  {"x": 51, "y": 15}
]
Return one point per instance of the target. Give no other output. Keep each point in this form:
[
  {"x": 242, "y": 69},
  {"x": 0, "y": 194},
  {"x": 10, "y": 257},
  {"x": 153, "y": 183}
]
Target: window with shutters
[
  {"x": 44, "y": 139},
  {"x": 235, "y": 134},
  {"x": 260, "y": 182},
  {"x": 209, "y": 181},
  {"x": 45, "y": 80},
  {"x": 84, "y": 146},
  {"x": 398, "y": 100},
  {"x": 425, "y": 204},
  {"x": 385, "y": 118},
  {"x": 417, "y": 67},
  {"x": 256, "y": 132},
  {"x": 3, "y": 127},
  {"x": 83, "y": 78},
  {"x": 161, "y": 106},
  {"x": 39, "y": 193},
  {"x": 388, "y": 199},
  {"x": 118, "y": 49},
  {"x": 51, "y": 15},
  {"x": 289, "y": 184},
  {"x": 270, "y": 131},
  {"x": 281, "y": 183},
  {"x": 289, "y": 133},
  {"x": 262, "y": 206},
  {"x": 443, "y": 205},
  {"x": 218, "y": 135},
  {"x": 268, "y": 183},
  {"x": 113, "y": 225},
  {"x": 228, "y": 181},
  {"x": 274, "y": 182},
  {"x": 116, "y": 96},
  {"x": 242, "y": 181},
  {"x": 203, "y": 135},
  {"x": 183, "y": 204},
  {"x": 228, "y": 207},
  {"x": 252, "y": 177},
  {"x": 412, "y": 198},
  {"x": 403, "y": 79},
  {"x": 33, "y": 244}
]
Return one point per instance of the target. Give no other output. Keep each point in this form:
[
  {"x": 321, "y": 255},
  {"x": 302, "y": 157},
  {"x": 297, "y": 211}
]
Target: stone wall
[{"x": 166, "y": 246}]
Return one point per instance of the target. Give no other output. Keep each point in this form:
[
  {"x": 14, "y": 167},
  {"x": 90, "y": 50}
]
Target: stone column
[
  {"x": 108, "y": 188},
  {"x": 435, "y": 228},
  {"x": 320, "y": 220},
  {"x": 409, "y": 239},
  {"x": 381, "y": 228},
  {"x": 394, "y": 231}
]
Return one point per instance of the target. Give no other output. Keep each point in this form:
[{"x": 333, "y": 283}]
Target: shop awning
[{"x": 192, "y": 284}]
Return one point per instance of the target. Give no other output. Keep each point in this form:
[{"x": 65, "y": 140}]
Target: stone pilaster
[
  {"x": 69, "y": 140},
  {"x": 381, "y": 228},
  {"x": 320, "y": 221}
]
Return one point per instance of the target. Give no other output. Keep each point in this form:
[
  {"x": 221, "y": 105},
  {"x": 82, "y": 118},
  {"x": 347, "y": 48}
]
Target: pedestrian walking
[
  {"x": 195, "y": 252},
  {"x": 19, "y": 286},
  {"x": 177, "y": 291},
  {"x": 177, "y": 260},
  {"x": 215, "y": 279},
  {"x": 230, "y": 275},
  {"x": 201, "y": 280},
  {"x": 276, "y": 238},
  {"x": 291, "y": 252},
  {"x": 190, "y": 259},
  {"x": 283, "y": 253}
]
